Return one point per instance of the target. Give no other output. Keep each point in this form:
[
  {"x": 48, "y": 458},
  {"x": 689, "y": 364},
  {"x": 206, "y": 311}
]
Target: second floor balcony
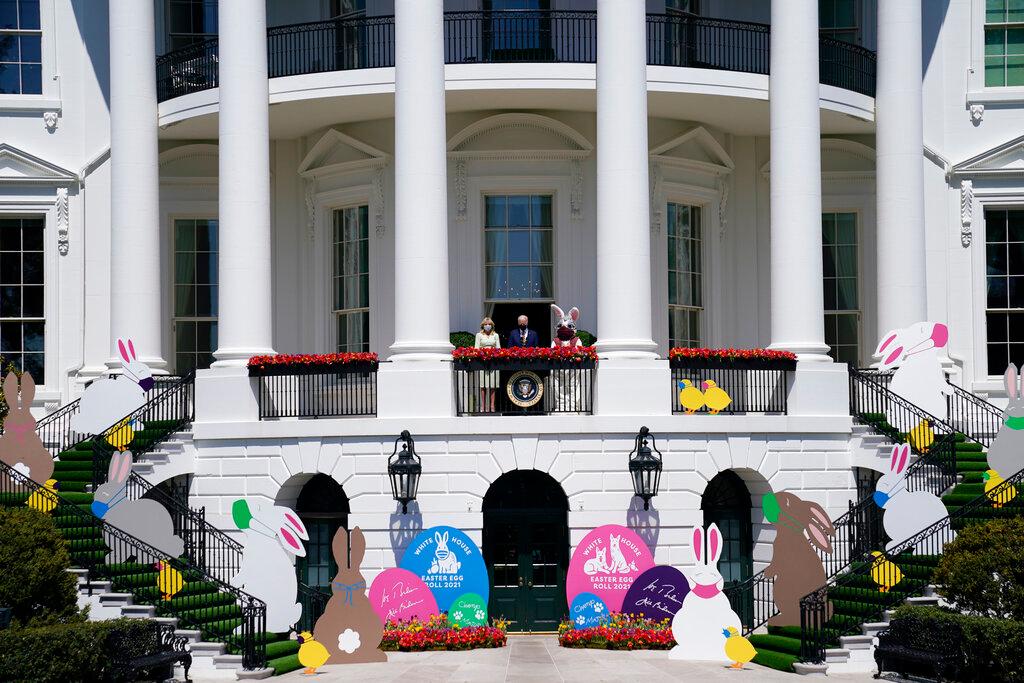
[{"x": 513, "y": 36}]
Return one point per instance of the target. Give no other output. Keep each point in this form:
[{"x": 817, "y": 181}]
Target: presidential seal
[{"x": 525, "y": 389}]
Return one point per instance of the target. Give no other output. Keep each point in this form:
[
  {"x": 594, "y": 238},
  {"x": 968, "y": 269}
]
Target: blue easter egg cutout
[
  {"x": 449, "y": 563},
  {"x": 587, "y": 610}
]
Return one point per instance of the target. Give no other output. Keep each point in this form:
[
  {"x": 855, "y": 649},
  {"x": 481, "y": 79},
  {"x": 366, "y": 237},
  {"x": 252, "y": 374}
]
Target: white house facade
[{"x": 223, "y": 182}]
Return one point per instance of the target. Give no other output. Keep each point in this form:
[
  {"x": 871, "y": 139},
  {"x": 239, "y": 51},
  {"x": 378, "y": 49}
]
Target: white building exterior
[{"x": 118, "y": 168}]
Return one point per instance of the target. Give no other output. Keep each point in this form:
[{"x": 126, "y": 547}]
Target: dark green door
[
  {"x": 527, "y": 550},
  {"x": 726, "y": 502}
]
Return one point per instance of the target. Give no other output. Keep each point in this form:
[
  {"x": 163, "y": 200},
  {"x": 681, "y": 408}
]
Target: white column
[
  {"x": 623, "y": 220},
  {"x": 899, "y": 166},
  {"x": 244, "y": 313},
  {"x": 796, "y": 263},
  {"x": 135, "y": 300},
  {"x": 421, "y": 198}
]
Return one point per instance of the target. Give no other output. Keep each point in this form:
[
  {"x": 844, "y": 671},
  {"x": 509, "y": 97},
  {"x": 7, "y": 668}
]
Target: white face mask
[{"x": 488, "y": 328}]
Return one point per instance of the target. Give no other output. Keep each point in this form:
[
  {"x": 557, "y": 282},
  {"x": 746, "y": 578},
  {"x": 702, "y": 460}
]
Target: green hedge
[
  {"x": 992, "y": 646},
  {"x": 34, "y": 562},
  {"x": 982, "y": 571},
  {"x": 462, "y": 340},
  {"x": 63, "y": 652}
]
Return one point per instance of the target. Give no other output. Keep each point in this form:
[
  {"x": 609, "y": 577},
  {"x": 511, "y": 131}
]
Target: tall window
[
  {"x": 351, "y": 274},
  {"x": 21, "y": 294},
  {"x": 195, "y": 293},
  {"x": 842, "y": 312},
  {"x": 1004, "y": 268},
  {"x": 685, "y": 275},
  {"x": 190, "y": 21},
  {"x": 519, "y": 258},
  {"x": 21, "y": 53},
  {"x": 838, "y": 19},
  {"x": 1004, "y": 43}
]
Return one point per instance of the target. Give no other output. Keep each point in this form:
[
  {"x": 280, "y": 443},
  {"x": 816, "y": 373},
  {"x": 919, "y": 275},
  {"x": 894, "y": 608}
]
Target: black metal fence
[
  {"x": 506, "y": 36},
  {"x": 314, "y": 601},
  {"x": 905, "y": 570},
  {"x": 146, "y": 427},
  {"x": 539, "y": 387},
  {"x": 348, "y": 390},
  {"x": 183, "y": 589},
  {"x": 751, "y": 388}
]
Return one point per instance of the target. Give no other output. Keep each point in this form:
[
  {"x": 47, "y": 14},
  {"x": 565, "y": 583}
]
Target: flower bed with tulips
[
  {"x": 740, "y": 359},
  {"x": 620, "y": 632},
  {"x": 311, "y": 363},
  {"x": 437, "y": 634},
  {"x": 559, "y": 356}
]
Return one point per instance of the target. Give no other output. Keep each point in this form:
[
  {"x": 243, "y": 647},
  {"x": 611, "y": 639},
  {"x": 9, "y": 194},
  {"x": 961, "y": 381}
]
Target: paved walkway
[{"x": 539, "y": 659}]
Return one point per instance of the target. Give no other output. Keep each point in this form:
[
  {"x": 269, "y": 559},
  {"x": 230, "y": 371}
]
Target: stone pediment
[
  {"x": 696, "y": 149},
  {"x": 189, "y": 164},
  {"x": 18, "y": 166},
  {"x": 336, "y": 153},
  {"x": 1005, "y": 160},
  {"x": 518, "y": 136}
]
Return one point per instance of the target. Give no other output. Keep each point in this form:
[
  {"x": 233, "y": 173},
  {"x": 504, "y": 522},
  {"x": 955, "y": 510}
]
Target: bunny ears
[
  {"x": 19, "y": 398},
  {"x": 574, "y": 314},
  {"x": 120, "y": 467},
  {"x": 126, "y": 349},
  {"x": 274, "y": 521},
  {"x": 1011, "y": 382},
  {"x": 714, "y": 539},
  {"x": 900, "y": 457}
]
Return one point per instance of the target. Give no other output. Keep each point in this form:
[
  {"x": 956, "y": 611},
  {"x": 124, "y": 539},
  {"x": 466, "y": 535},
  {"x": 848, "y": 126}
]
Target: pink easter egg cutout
[
  {"x": 606, "y": 563},
  {"x": 398, "y": 595}
]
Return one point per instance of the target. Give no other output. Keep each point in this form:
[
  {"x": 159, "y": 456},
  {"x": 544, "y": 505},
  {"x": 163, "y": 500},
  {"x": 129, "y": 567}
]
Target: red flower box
[
  {"x": 437, "y": 634},
  {"x": 311, "y": 363},
  {"x": 562, "y": 356},
  {"x": 738, "y": 359}
]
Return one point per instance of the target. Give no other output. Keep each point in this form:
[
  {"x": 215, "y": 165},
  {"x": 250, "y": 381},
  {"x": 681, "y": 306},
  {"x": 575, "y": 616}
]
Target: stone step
[
  {"x": 856, "y": 642},
  {"x": 142, "y": 468},
  {"x": 160, "y": 457},
  {"x": 805, "y": 669},
  {"x": 872, "y": 629},
  {"x": 255, "y": 674},
  {"x": 227, "y": 662},
  {"x": 139, "y": 611},
  {"x": 836, "y": 655},
  {"x": 95, "y": 587},
  {"x": 81, "y": 575},
  {"x": 207, "y": 649},
  {"x": 116, "y": 599},
  {"x": 192, "y": 635},
  {"x": 166, "y": 621},
  {"x": 924, "y": 601}
]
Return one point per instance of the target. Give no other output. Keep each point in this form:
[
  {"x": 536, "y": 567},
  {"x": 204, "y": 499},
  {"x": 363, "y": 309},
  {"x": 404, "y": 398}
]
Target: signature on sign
[
  {"x": 397, "y": 592},
  {"x": 660, "y": 596}
]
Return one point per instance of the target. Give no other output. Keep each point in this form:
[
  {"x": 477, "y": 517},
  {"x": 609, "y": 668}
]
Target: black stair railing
[
  {"x": 859, "y": 530},
  {"x": 860, "y": 581},
  {"x": 200, "y": 601},
  {"x": 164, "y": 414}
]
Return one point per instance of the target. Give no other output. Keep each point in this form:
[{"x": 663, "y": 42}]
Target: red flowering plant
[
  {"x": 436, "y": 633},
  {"x": 572, "y": 354},
  {"x": 747, "y": 357},
  {"x": 621, "y": 631},
  {"x": 283, "y": 363}
]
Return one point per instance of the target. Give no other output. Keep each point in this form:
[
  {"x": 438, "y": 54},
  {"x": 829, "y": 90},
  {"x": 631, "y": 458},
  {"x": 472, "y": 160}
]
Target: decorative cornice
[
  {"x": 63, "y": 228},
  {"x": 202, "y": 151},
  {"x": 378, "y": 202},
  {"x": 35, "y": 170},
  {"x": 723, "y": 164},
  {"x": 977, "y": 113},
  {"x": 576, "y": 190},
  {"x": 309, "y": 167},
  {"x": 576, "y": 145},
  {"x": 975, "y": 166},
  {"x": 50, "y": 120},
  {"x": 461, "y": 199},
  {"x": 966, "y": 211}
]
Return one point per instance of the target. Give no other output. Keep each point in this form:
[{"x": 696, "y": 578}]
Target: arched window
[{"x": 726, "y": 502}]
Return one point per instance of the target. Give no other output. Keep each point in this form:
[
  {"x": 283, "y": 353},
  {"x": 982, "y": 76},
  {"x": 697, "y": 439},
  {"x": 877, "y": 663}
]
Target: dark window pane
[
  {"x": 10, "y": 268},
  {"x": 32, "y": 235},
  {"x": 10, "y": 302},
  {"x": 10, "y": 236},
  {"x": 995, "y": 226},
  {"x": 829, "y": 262},
  {"x": 996, "y": 292},
  {"x": 1016, "y": 327},
  {"x": 33, "y": 333},
  {"x": 8, "y": 47},
  {"x": 10, "y": 79},
  {"x": 206, "y": 268},
  {"x": 206, "y": 235},
  {"x": 518, "y": 246},
  {"x": 33, "y": 365},
  {"x": 1017, "y": 292},
  {"x": 185, "y": 336},
  {"x": 31, "y": 79},
  {"x": 33, "y": 302},
  {"x": 541, "y": 208},
  {"x": 184, "y": 268},
  {"x": 10, "y": 337},
  {"x": 995, "y": 259},
  {"x": 184, "y": 235},
  {"x": 1016, "y": 355},
  {"x": 495, "y": 211},
  {"x": 995, "y": 325},
  {"x": 997, "y": 358},
  {"x": 28, "y": 14},
  {"x": 184, "y": 300},
  {"x": 518, "y": 211},
  {"x": 204, "y": 301},
  {"x": 1015, "y": 226},
  {"x": 30, "y": 49}
]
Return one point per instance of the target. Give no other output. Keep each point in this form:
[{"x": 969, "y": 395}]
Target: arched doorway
[
  {"x": 323, "y": 507},
  {"x": 726, "y": 502},
  {"x": 526, "y": 548}
]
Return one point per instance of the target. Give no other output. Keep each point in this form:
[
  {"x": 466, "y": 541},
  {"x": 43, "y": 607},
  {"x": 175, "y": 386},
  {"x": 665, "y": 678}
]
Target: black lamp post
[
  {"x": 644, "y": 467},
  {"x": 404, "y": 470}
]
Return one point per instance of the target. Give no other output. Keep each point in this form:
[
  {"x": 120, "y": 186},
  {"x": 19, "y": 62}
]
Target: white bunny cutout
[
  {"x": 914, "y": 354},
  {"x": 110, "y": 399},
  {"x": 906, "y": 513},
  {"x": 706, "y": 611},
  {"x": 272, "y": 536}
]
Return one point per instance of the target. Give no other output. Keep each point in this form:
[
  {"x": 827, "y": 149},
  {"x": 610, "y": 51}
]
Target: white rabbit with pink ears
[
  {"x": 907, "y": 513},
  {"x": 706, "y": 611},
  {"x": 108, "y": 400}
]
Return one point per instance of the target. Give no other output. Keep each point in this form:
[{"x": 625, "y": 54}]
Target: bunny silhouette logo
[{"x": 449, "y": 563}]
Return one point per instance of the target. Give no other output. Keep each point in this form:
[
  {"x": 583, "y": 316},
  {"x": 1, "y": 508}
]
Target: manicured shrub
[
  {"x": 991, "y": 647},
  {"x": 62, "y": 652},
  {"x": 982, "y": 571},
  {"x": 462, "y": 340},
  {"x": 586, "y": 338},
  {"x": 34, "y": 563}
]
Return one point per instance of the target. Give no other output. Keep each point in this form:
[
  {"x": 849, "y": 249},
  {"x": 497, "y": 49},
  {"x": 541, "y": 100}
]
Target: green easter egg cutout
[{"x": 468, "y": 610}]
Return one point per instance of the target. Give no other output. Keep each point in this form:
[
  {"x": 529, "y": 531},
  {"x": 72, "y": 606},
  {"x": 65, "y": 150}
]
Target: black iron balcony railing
[
  {"x": 509, "y": 36},
  {"x": 524, "y": 387},
  {"x": 342, "y": 390},
  {"x": 749, "y": 387}
]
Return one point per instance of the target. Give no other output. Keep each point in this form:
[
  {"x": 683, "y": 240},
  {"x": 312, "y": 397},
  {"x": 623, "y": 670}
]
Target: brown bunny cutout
[
  {"x": 20, "y": 446},
  {"x": 795, "y": 566},
  {"x": 349, "y": 628}
]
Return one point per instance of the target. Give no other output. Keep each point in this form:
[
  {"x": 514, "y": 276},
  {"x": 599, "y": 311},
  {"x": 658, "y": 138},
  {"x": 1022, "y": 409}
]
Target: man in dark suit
[{"x": 523, "y": 335}]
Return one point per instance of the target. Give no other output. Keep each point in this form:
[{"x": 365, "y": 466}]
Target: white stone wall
[{"x": 590, "y": 467}]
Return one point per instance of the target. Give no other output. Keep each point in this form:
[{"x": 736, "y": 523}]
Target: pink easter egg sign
[
  {"x": 398, "y": 594},
  {"x": 606, "y": 563}
]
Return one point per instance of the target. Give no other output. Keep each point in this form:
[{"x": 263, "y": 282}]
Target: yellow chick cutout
[
  {"x": 884, "y": 573},
  {"x": 45, "y": 499},
  {"x": 693, "y": 399},
  {"x": 737, "y": 648},
  {"x": 312, "y": 654},
  {"x": 168, "y": 580},
  {"x": 1002, "y": 496}
]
